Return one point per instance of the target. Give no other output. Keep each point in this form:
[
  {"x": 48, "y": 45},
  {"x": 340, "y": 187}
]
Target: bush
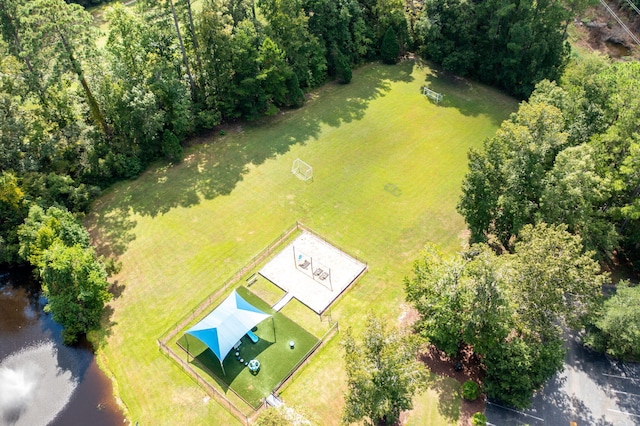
[
  {"x": 470, "y": 390},
  {"x": 479, "y": 419}
]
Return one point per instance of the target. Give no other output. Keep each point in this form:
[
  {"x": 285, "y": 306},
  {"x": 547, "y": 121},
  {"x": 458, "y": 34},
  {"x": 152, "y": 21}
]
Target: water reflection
[{"x": 43, "y": 382}]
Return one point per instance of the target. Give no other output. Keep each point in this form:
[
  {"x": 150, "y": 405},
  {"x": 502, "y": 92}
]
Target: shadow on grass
[
  {"x": 449, "y": 396},
  {"x": 214, "y": 167},
  {"x": 468, "y": 97}
]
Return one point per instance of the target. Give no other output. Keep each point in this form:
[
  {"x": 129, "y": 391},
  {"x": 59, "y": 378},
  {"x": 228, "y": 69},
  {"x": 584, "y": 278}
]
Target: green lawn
[
  {"x": 276, "y": 358},
  {"x": 387, "y": 170}
]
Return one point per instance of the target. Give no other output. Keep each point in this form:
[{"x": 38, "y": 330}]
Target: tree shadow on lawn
[
  {"x": 214, "y": 168},
  {"x": 449, "y": 396},
  {"x": 111, "y": 229},
  {"x": 470, "y": 98}
]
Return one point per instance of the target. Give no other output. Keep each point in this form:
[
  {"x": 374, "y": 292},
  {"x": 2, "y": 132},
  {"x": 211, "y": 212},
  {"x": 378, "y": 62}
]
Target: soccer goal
[
  {"x": 302, "y": 170},
  {"x": 431, "y": 94}
]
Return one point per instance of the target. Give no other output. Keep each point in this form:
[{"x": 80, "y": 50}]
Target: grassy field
[{"x": 387, "y": 170}]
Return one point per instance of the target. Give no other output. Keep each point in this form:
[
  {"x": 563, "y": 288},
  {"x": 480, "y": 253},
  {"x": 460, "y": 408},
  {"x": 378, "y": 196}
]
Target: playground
[
  {"x": 313, "y": 271},
  {"x": 268, "y": 344}
]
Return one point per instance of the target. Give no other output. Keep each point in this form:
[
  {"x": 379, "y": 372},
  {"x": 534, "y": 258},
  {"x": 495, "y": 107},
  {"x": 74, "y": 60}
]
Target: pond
[{"x": 43, "y": 382}]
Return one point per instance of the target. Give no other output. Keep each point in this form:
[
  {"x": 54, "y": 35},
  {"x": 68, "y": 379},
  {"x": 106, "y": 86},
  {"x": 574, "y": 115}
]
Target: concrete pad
[{"x": 313, "y": 271}]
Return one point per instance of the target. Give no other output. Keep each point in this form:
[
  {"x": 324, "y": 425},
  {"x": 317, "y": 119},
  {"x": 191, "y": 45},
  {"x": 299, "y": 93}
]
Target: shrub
[
  {"x": 470, "y": 390},
  {"x": 479, "y": 419}
]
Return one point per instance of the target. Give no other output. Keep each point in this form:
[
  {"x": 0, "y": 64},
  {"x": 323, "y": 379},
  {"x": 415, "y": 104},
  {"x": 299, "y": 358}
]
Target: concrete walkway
[{"x": 280, "y": 304}]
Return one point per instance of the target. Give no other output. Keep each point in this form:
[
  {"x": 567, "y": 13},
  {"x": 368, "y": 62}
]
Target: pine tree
[{"x": 390, "y": 48}]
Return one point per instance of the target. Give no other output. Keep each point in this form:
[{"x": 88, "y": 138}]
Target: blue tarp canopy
[{"x": 226, "y": 324}]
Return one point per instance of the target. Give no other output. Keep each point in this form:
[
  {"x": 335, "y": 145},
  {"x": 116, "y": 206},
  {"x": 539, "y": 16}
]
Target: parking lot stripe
[
  {"x": 516, "y": 411},
  {"x": 626, "y": 393},
  {"x": 620, "y": 377},
  {"x": 623, "y": 412}
]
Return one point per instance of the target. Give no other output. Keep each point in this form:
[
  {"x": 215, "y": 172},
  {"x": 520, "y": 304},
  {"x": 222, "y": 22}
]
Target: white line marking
[
  {"x": 516, "y": 411},
  {"x": 623, "y": 412},
  {"x": 619, "y": 377},
  {"x": 626, "y": 393}
]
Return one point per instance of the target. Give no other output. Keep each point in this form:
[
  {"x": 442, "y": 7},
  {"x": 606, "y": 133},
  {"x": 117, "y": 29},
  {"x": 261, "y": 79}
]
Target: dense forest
[{"x": 80, "y": 110}]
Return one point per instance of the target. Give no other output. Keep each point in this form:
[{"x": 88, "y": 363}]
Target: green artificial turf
[
  {"x": 277, "y": 359},
  {"x": 387, "y": 167}
]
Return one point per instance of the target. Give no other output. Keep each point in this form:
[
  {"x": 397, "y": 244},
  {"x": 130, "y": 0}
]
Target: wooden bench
[{"x": 251, "y": 280}]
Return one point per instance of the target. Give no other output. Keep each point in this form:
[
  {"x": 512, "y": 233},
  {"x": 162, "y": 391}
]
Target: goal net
[
  {"x": 431, "y": 94},
  {"x": 302, "y": 170}
]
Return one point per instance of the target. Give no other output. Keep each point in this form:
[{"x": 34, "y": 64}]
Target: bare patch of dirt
[
  {"x": 598, "y": 30},
  {"x": 408, "y": 316}
]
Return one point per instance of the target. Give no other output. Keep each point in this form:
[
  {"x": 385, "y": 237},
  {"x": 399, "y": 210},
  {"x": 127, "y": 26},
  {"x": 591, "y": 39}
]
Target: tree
[
  {"x": 42, "y": 228},
  {"x": 389, "y": 50},
  {"x": 501, "y": 192},
  {"x": 439, "y": 295},
  {"x": 75, "y": 284},
  {"x": 288, "y": 27},
  {"x": 617, "y": 328},
  {"x": 508, "y": 309},
  {"x": 62, "y": 37},
  {"x": 553, "y": 279},
  {"x": 214, "y": 31},
  {"x": 165, "y": 8},
  {"x": 13, "y": 211},
  {"x": 74, "y": 280},
  {"x": 383, "y": 374},
  {"x": 575, "y": 193},
  {"x": 343, "y": 69},
  {"x": 341, "y": 28},
  {"x": 519, "y": 365},
  {"x": 512, "y": 45}
]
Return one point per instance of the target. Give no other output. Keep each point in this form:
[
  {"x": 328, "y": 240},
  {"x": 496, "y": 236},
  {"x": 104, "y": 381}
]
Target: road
[{"x": 592, "y": 390}]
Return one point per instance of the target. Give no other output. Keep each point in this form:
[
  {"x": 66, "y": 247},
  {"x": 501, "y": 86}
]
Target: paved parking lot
[{"x": 592, "y": 390}]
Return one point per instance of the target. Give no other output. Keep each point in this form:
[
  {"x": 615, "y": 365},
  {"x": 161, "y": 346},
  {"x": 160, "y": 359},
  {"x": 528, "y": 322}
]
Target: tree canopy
[
  {"x": 569, "y": 155},
  {"x": 383, "y": 373},
  {"x": 74, "y": 280},
  {"x": 509, "y": 44},
  {"x": 507, "y": 308},
  {"x": 616, "y": 327}
]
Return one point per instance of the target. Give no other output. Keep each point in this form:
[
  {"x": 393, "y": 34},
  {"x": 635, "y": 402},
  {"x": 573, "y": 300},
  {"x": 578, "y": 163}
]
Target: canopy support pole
[{"x": 273, "y": 324}]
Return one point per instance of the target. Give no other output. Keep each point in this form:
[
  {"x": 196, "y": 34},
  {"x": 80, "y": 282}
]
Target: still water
[{"x": 43, "y": 382}]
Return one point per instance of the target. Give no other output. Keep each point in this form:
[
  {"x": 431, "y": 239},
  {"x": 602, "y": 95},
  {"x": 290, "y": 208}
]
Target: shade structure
[{"x": 226, "y": 324}]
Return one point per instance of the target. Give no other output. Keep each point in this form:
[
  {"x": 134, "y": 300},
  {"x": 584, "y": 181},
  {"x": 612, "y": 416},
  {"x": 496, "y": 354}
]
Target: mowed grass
[{"x": 388, "y": 164}]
